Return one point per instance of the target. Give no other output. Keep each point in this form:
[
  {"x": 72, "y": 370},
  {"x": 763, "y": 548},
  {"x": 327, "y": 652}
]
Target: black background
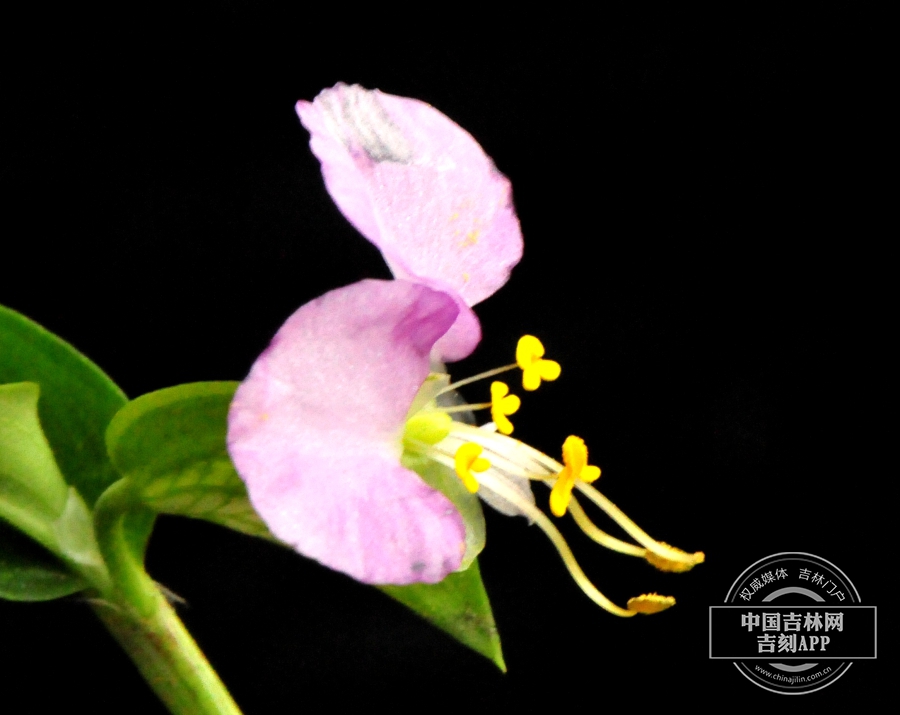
[{"x": 698, "y": 195}]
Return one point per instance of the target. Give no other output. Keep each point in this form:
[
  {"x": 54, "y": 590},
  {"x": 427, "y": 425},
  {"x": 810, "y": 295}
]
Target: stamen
[
  {"x": 665, "y": 553},
  {"x": 600, "y": 536},
  {"x": 576, "y": 469},
  {"x": 476, "y": 378},
  {"x": 468, "y": 459},
  {"x": 650, "y": 603},
  {"x": 510, "y": 457},
  {"x": 685, "y": 562},
  {"x": 503, "y": 404},
  {"x": 507, "y": 455},
  {"x": 466, "y": 408},
  {"x": 538, "y": 517},
  {"x": 465, "y": 457},
  {"x": 529, "y": 354}
]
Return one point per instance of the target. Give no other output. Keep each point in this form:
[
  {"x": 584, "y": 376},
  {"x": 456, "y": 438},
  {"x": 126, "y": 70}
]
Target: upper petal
[
  {"x": 315, "y": 432},
  {"x": 418, "y": 186}
]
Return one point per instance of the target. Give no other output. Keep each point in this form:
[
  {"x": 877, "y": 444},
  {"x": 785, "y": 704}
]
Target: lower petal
[
  {"x": 315, "y": 432},
  {"x": 368, "y": 517}
]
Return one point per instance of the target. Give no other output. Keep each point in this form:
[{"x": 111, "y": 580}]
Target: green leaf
[
  {"x": 171, "y": 445},
  {"x": 26, "y": 461},
  {"x": 34, "y": 497},
  {"x": 77, "y": 399},
  {"x": 31, "y": 573},
  {"x": 32, "y": 491},
  {"x": 76, "y": 403},
  {"x": 458, "y": 605}
]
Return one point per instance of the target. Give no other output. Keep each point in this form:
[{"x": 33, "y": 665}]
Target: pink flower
[
  {"x": 316, "y": 430},
  {"x": 344, "y": 420}
]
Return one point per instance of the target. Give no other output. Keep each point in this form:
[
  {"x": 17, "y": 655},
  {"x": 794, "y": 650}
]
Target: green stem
[
  {"x": 146, "y": 626},
  {"x": 168, "y": 659}
]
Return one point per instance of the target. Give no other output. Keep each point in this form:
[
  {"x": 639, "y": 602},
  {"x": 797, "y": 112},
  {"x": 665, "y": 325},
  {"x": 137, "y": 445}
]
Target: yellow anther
[
  {"x": 676, "y": 560},
  {"x": 468, "y": 459},
  {"x": 575, "y": 458},
  {"x": 650, "y": 603},
  {"x": 503, "y": 404},
  {"x": 529, "y": 357}
]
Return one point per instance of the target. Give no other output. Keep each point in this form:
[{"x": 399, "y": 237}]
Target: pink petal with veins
[
  {"x": 315, "y": 433},
  {"x": 418, "y": 186}
]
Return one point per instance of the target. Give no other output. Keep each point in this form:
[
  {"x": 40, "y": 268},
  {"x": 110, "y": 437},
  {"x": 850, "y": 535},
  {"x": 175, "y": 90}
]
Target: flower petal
[
  {"x": 418, "y": 186},
  {"x": 463, "y": 336},
  {"x": 315, "y": 432}
]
